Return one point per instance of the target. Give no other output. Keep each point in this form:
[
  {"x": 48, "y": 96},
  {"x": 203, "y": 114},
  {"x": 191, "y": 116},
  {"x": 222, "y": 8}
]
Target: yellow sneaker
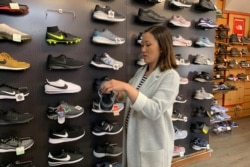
[{"x": 9, "y": 63}]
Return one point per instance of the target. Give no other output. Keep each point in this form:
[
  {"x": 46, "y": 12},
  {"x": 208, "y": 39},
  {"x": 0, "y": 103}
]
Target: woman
[{"x": 149, "y": 136}]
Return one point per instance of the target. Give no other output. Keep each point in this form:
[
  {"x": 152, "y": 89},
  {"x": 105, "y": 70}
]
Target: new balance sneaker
[
  {"x": 206, "y": 23},
  {"x": 9, "y": 92},
  {"x": 11, "y": 117},
  {"x": 179, "y": 151},
  {"x": 108, "y": 164},
  {"x": 204, "y": 42},
  {"x": 21, "y": 164},
  {"x": 107, "y": 149},
  {"x": 180, "y": 3},
  {"x": 179, "y": 133},
  {"x": 12, "y": 34},
  {"x": 65, "y": 110},
  {"x": 107, "y": 14},
  {"x": 178, "y": 40},
  {"x": 177, "y": 116},
  {"x": 9, "y": 63},
  {"x": 106, "y": 128},
  {"x": 180, "y": 99},
  {"x": 60, "y": 86},
  {"x": 107, "y": 37},
  {"x": 179, "y": 21},
  {"x": 62, "y": 62},
  {"x": 205, "y": 5},
  {"x": 64, "y": 157},
  {"x": 106, "y": 61},
  {"x": 65, "y": 135},
  {"x": 12, "y": 143},
  {"x": 5, "y": 8},
  {"x": 198, "y": 144},
  {"x": 201, "y": 94},
  {"x": 54, "y": 36},
  {"x": 150, "y": 16}
]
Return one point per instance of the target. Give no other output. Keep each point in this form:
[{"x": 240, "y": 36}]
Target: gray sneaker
[
  {"x": 11, "y": 144},
  {"x": 201, "y": 94},
  {"x": 203, "y": 60},
  {"x": 107, "y": 37},
  {"x": 106, "y": 61},
  {"x": 179, "y": 133}
]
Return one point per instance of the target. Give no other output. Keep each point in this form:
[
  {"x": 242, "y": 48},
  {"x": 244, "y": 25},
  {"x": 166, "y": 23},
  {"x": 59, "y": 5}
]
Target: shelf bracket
[{"x": 61, "y": 11}]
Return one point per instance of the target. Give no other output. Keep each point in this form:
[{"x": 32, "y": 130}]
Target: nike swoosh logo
[
  {"x": 3, "y": 62},
  {"x": 62, "y": 135},
  {"x": 60, "y": 37},
  {"x": 67, "y": 158},
  {"x": 65, "y": 86},
  {"x": 9, "y": 93}
]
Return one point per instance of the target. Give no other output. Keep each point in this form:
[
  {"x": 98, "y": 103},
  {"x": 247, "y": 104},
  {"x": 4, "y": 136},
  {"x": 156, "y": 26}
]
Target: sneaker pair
[
  {"x": 201, "y": 94},
  {"x": 205, "y": 5},
  {"x": 107, "y": 37},
  {"x": 106, "y": 61},
  {"x": 177, "y": 116},
  {"x": 181, "y": 61},
  {"x": 179, "y": 151},
  {"x": 60, "y": 87},
  {"x": 148, "y": 15},
  {"x": 107, "y": 14}
]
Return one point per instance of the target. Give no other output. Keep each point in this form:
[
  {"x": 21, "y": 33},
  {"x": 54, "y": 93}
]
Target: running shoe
[
  {"x": 116, "y": 107},
  {"x": 106, "y": 128},
  {"x": 12, "y": 143},
  {"x": 9, "y": 63},
  {"x": 201, "y": 94},
  {"x": 179, "y": 21},
  {"x": 107, "y": 37},
  {"x": 6, "y": 8},
  {"x": 21, "y": 164},
  {"x": 150, "y": 16},
  {"x": 12, "y": 34},
  {"x": 108, "y": 164},
  {"x": 179, "y": 133},
  {"x": 62, "y": 62},
  {"x": 106, "y": 61},
  {"x": 178, "y": 40},
  {"x": 204, "y": 42},
  {"x": 64, "y": 157},
  {"x": 60, "y": 86},
  {"x": 107, "y": 149},
  {"x": 180, "y": 3},
  {"x": 107, "y": 14},
  {"x": 203, "y": 77},
  {"x": 54, "y": 36},
  {"x": 198, "y": 144},
  {"x": 9, "y": 92},
  {"x": 206, "y": 23},
  {"x": 12, "y": 117},
  {"x": 65, "y": 135}
]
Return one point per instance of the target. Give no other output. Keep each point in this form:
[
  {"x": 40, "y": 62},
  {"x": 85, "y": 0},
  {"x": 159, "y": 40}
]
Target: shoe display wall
[{"x": 65, "y": 47}]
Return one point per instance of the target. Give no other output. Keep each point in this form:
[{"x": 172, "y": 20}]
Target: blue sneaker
[
  {"x": 107, "y": 37},
  {"x": 204, "y": 42}
]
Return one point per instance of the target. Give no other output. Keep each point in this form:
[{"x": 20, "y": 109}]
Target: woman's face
[{"x": 150, "y": 49}]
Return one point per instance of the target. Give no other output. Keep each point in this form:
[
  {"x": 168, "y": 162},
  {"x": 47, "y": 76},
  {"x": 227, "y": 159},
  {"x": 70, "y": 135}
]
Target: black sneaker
[
  {"x": 11, "y": 144},
  {"x": 203, "y": 77},
  {"x": 106, "y": 128},
  {"x": 54, "y": 36},
  {"x": 21, "y": 164},
  {"x": 198, "y": 144},
  {"x": 11, "y": 117},
  {"x": 108, "y": 164},
  {"x": 205, "y": 5},
  {"x": 148, "y": 15},
  {"x": 64, "y": 157},
  {"x": 107, "y": 149},
  {"x": 65, "y": 135},
  {"x": 9, "y": 92},
  {"x": 62, "y": 62}
]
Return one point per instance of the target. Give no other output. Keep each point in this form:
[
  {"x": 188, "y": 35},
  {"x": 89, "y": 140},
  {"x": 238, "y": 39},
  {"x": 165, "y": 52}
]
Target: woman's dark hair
[{"x": 167, "y": 59}]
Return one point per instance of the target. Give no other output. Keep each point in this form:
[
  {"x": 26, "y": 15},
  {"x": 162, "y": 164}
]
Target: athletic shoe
[
  {"x": 60, "y": 86},
  {"x": 106, "y": 61},
  {"x": 21, "y": 164},
  {"x": 54, "y": 36},
  {"x": 12, "y": 34},
  {"x": 203, "y": 60},
  {"x": 107, "y": 149},
  {"x": 116, "y": 107},
  {"x": 180, "y": 99},
  {"x": 204, "y": 42},
  {"x": 6, "y": 8},
  {"x": 201, "y": 94},
  {"x": 179, "y": 151},
  {"x": 182, "y": 61},
  {"x": 65, "y": 135},
  {"x": 64, "y": 110},
  {"x": 177, "y": 116},
  {"x": 108, "y": 164},
  {"x": 178, "y": 40},
  {"x": 179, "y": 21},
  {"x": 11, "y": 117},
  {"x": 179, "y": 133},
  {"x": 11, "y": 144},
  {"x": 107, "y": 14},
  {"x": 106, "y": 128},
  {"x": 62, "y": 62},
  {"x": 203, "y": 77},
  {"x": 198, "y": 144},
  {"x": 107, "y": 37},
  {"x": 150, "y": 16},
  {"x": 64, "y": 157},
  {"x": 9, "y": 63},
  {"x": 9, "y": 92},
  {"x": 180, "y": 3},
  {"x": 206, "y": 23},
  {"x": 205, "y": 5}
]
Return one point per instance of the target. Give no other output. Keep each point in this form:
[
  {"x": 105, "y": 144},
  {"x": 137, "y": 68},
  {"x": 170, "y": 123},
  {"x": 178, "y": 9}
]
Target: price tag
[
  {"x": 17, "y": 38},
  {"x": 182, "y": 154},
  {"x": 208, "y": 146},
  {"x": 14, "y": 5},
  {"x": 60, "y": 117},
  {"x": 20, "y": 150},
  {"x": 19, "y": 97},
  {"x": 205, "y": 129},
  {"x": 111, "y": 14},
  {"x": 115, "y": 110}
]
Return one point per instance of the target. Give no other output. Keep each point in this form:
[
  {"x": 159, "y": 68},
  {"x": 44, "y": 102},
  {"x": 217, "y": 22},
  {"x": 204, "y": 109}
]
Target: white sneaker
[
  {"x": 105, "y": 61},
  {"x": 178, "y": 40},
  {"x": 201, "y": 94},
  {"x": 179, "y": 21},
  {"x": 60, "y": 86}
]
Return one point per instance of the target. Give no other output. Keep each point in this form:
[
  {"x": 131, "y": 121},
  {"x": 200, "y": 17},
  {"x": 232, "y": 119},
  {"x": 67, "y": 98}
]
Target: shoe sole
[
  {"x": 13, "y": 68},
  {"x": 101, "y": 155},
  {"x": 64, "y": 162},
  {"x": 63, "y": 67},
  {"x": 54, "y": 117}
]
